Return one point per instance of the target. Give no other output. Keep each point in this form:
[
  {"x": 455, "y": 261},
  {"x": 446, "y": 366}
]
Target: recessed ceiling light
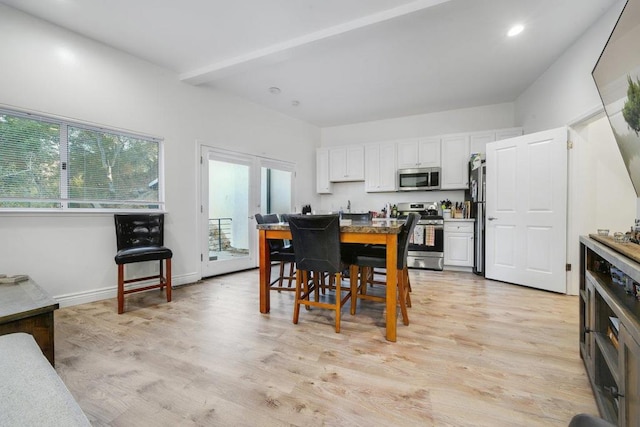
[
  {"x": 274, "y": 90},
  {"x": 515, "y": 30}
]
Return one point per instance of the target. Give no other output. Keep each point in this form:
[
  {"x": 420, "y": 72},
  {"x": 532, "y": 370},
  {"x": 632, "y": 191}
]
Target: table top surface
[
  {"x": 384, "y": 226},
  {"x": 24, "y": 299}
]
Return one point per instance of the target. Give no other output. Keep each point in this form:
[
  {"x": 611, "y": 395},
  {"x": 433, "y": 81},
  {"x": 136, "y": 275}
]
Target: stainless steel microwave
[{"x": 418, "y": 179}]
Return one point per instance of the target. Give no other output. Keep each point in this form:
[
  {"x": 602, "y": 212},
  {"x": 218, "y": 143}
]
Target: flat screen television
[{"x": 617, "y": 77}]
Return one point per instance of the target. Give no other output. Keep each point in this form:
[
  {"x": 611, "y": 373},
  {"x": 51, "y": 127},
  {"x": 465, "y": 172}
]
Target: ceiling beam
[{"x": 282, "y": 51}]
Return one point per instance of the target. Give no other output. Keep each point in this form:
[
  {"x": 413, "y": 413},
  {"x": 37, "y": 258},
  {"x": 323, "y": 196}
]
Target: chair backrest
[
  {"x": 316, "y": 242},
  {"x": 357, "y": 217},
  {"x": 404, "y": 236},
  {"x": 285, "y": 217},
  {"x": 274, "y": 245},
  {"x": 139, "y": 230}
]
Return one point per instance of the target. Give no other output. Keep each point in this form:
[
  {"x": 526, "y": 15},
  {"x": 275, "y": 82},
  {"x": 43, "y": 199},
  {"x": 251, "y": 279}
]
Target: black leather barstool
[
  {"x": 316, "y": 239},
  {"x": 140, "y": 238},
  {"x": 376, "y": 257},
  {"x": 280, "y": 252}
]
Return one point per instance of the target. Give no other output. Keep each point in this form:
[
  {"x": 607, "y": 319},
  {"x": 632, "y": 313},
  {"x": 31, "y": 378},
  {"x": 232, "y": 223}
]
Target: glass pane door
[
  {"x": 227, "y": 218},
  {"x": 276, "y": 182}
]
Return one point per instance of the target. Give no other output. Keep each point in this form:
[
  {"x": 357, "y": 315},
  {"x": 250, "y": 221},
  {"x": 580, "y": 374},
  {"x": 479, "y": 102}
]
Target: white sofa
[{"x": 31, "y": 392}]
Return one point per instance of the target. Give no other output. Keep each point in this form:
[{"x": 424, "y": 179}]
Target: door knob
[{"x": 491, "y": 218}]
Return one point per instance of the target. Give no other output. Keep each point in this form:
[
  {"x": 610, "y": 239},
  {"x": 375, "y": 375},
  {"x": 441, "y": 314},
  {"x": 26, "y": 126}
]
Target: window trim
[{"x": 64, "y": 201}]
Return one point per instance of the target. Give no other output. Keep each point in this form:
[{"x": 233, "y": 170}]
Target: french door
[
  {"x": 227, "y": 204},
  {"x": 234, "y": 187}
]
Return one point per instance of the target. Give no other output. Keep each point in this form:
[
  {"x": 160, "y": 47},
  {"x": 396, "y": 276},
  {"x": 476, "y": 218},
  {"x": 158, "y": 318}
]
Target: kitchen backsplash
[{"x": 362, "y": 201}]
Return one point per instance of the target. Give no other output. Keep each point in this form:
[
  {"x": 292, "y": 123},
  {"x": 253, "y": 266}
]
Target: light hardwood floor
[{"x": 477, "y": 353}]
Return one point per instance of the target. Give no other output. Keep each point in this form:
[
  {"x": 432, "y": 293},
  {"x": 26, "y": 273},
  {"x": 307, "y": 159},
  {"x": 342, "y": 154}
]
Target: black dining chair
[
  {"x": 316, "y": 241},
  {"x": 376, "y": 257},
  {"x": 281, "y": 252},
  {"x": 140, "y": 238}
]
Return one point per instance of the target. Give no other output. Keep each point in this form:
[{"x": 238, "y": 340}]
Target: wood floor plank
[{"x": 476, "y": 353}]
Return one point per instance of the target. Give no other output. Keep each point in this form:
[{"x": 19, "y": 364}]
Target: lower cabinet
[
  {"x": 610, "y": 329},
  {"x": 458, "y": 243},
  {"x": 629, "y": 361}
]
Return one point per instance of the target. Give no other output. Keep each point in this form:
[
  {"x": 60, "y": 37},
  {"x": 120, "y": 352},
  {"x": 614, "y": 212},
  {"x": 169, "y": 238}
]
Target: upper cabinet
[
  {"x": 418, "y": 153},
  {"x": 377, "y": 163},
  {"x": 455, "y": 162},
  {"x": 323, "y": 185},
  {"x": 478, "y": 140},
  {"x": 380, "y": 167},
  {"x": 346, "y": 163}
]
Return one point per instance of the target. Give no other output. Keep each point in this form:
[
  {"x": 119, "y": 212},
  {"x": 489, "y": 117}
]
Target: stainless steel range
[{"x": 426, "y": 248}]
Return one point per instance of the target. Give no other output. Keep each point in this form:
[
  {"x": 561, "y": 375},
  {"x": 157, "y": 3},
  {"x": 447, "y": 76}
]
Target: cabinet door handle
[{"x": 492, "y": 218}]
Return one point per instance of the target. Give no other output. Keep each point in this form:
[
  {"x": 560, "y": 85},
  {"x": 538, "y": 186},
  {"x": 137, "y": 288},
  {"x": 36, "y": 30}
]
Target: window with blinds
[{"x": 52, "y": 164}]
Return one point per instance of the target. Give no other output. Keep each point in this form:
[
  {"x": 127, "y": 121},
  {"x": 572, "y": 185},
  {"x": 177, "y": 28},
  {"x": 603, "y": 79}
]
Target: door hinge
[
  {"x": 201, "y": 209},
  {"x": 201, "y": 257},
  {"x": 201, "y": 161},
  {"x": 568, "y": 267},
  {"x": 569, "y": 145}
]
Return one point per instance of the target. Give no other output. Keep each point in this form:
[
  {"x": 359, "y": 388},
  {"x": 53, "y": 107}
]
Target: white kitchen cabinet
[
  {"x": 418, "y": 153},
  {"x": 380, "y": 167},
  {"x": 455, "y": 162},
  {"x": 323, "y": 185},
  {"x": 346, "y": 163},
  {"x": 458, "y": 243}
]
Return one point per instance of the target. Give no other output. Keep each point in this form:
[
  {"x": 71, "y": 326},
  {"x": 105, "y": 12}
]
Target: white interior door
[{"x": 526, "y": 210}]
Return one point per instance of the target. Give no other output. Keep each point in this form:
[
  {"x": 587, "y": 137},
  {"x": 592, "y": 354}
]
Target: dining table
[{"x": 378, "y": 232}]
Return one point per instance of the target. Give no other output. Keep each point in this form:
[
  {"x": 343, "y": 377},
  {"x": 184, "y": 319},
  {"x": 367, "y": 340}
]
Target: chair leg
[
  {"x": 168, "y": 281},
  {"x": 291, "y": 271},
  {"x": 281, "y": 278},
  {"x": 367, "y": 278},
  {"x": 120, "y": 288},
  {"x": 338, "y": 279},
  {"x": 316, "y": 285},
  {"x": 353, "y": 281},
  {"x": 296, "y": 303},
  {"x": 402, "y": 298},
  {"x": 407, "y": 284}
]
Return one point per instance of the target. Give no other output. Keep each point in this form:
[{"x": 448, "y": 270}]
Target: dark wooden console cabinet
[
  {"x": 610, "y": 327},
  {"x": 26, "y": 307}
]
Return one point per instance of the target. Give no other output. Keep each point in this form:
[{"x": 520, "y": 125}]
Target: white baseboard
[
  {"x": 76, "y": 298},
  {"x": 458, "y": 268}
]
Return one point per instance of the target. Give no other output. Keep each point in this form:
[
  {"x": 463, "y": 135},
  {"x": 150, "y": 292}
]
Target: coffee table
[{"x": 26, "y": 307}]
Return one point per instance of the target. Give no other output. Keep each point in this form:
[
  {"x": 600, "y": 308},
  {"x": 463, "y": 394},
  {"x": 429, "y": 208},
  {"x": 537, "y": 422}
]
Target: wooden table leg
[
  {"x": 392, "y": 285},
  {"x": 265, "y": 260}
]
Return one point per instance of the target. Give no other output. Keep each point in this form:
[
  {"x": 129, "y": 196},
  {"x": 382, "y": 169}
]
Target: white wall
[
  {"x": 71, "y": 255},
  {"x": 453, "y": 121},
  {"x": 600, "y": 191},
  {"x": 566, "y": 91}
]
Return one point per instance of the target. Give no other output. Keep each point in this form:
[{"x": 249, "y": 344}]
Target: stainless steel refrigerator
[{"x": 477, "y": 190}]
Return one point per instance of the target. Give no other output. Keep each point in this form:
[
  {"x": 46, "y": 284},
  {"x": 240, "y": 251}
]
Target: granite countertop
[
  {"x": 390, "y": 226},
  {"x": 460, "y": 219}
]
